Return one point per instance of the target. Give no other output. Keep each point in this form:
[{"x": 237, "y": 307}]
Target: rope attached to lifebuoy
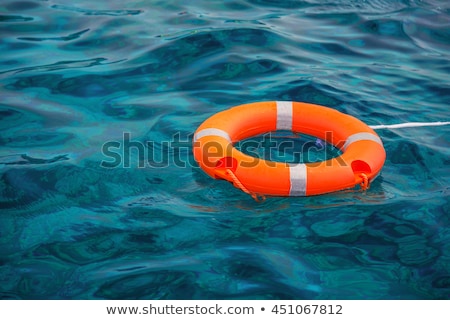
[
  {"x": 255, "y": 196},
  {"x": 365, "y": 182}
]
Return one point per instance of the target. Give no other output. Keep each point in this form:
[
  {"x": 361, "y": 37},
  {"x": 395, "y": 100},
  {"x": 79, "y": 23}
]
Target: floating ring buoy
[{"x": 362, "y": 157}]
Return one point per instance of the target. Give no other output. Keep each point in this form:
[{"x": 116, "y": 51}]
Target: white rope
[{"x": 410, "y": 125}]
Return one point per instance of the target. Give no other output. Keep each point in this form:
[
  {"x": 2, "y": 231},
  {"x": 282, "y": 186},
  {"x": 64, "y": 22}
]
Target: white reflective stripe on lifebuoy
[
  {"x": 359, "y": 137},
  {"x": 284, "y": 115},
  {"x": 297, "y": 174},
  {"x": 212, "y": 132}
]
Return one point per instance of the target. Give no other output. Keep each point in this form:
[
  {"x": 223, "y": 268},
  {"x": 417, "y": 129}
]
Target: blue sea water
[{"x": 86, "y": 83}]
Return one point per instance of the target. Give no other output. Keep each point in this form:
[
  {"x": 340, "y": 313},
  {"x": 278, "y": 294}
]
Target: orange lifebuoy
[{"x": 361, "y": 161}]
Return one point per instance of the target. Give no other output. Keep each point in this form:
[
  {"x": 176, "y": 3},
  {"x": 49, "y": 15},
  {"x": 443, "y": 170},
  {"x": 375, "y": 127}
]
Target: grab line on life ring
[{"x": 361, "y": 161}]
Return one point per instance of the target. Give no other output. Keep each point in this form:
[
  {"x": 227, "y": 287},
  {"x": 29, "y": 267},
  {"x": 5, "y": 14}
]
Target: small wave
[
  {"x": 69, "y": 37},
  {"x": 14, "y": 18},
  {"x": 24, "y": 159},
  {"x": 90, "y": 12},
  {"x": 60, "y": 65}
]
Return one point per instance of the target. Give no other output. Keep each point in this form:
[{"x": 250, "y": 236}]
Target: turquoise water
[{"x": 83, "y": 84}]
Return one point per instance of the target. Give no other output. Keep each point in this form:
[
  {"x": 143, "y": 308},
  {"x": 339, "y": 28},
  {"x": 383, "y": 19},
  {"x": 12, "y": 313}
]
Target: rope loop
[
  {"x": 255, "y": 196},
  {"x": 365, "y": 182}
]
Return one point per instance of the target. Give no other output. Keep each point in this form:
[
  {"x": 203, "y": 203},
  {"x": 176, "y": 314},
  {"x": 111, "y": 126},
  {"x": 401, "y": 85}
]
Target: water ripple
[
  {"x": 69, "y": 37},
  {"x": 91, "y": 12},
  {"x": 12, "y": 18}
]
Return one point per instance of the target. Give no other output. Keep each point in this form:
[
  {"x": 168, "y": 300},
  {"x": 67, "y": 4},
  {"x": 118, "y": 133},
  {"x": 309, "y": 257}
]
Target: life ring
[{"x": 361, "y": 161}]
